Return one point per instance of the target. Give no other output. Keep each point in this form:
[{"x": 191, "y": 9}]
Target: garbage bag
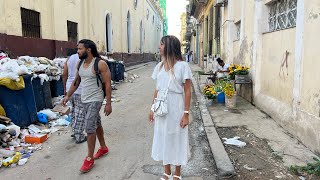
[
  {"x": 12, "y": 84},
  {"x": 2, "y": 111}
]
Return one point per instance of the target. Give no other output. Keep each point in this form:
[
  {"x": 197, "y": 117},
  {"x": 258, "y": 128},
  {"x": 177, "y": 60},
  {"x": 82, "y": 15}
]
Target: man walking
[
  {"x": 77, "y": 120},
  {"x": 92, "y": 96}
]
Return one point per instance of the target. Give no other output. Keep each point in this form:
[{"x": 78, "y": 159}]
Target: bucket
[
  {"x": 221, "y": 97},
  {"x": 231, "y": 101}
]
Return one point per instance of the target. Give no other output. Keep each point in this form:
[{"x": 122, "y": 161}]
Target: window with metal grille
[
  {"x": 238, "y": 28},
  {"x": 72, "y": 31},
  {"x": 282, "y": 15},
  {"x": 30, "y": 23}
]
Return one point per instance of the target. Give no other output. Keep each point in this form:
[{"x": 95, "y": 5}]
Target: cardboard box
[
  {"x": 36, "y": 138},
  {"x": 63, "y": 110}
]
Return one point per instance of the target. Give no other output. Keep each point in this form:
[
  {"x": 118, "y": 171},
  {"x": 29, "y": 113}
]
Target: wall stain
[
  {"x": 284, "y": 66},
  {"x": 244, "y": 48},
  {"x": 313, "y": 16}
]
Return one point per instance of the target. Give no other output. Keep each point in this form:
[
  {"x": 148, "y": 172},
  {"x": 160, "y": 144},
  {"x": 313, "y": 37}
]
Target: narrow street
[{"x": 129, "y": 137}]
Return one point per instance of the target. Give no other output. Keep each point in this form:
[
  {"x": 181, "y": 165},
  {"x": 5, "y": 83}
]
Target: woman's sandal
[
  {"x": 179, "y": 177},
  {"x": 168, "y": 176}
]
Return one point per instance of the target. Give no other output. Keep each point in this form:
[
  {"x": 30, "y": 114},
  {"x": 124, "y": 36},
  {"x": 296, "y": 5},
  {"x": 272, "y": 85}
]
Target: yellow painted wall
[
  {"x": 91, "y": 19},
  {"x": 2, "y": 17},
  {"x": 13, "y": 16},
  {"x": 310, "y": 92},
  {"x": 237, "y": 9},
  {"x": 277, "y": 82}
]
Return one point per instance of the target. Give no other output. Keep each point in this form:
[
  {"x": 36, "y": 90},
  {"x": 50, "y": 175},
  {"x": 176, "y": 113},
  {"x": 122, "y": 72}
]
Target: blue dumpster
[
  {"x": 20, "y": 105},
  {"x": 42, "y": 94},
  {"x": 56, "y": 88},
  {"x": 119, "y": 72},
  {"x": 112, "y": 67}
]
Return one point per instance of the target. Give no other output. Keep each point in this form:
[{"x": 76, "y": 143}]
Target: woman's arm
[
  {"x": 187, "y": 100},
  {"x": 151, "y": 116}
]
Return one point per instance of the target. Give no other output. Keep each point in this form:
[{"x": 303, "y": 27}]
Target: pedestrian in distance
[
  {"x": 95, "y": 78},
  {"x": 170, "y": 140}
]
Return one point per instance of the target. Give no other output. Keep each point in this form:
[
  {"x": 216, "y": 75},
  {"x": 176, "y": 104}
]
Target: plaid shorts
[
  {"x": 92, "y": 116},
  {"x": 77, "y": 117}
]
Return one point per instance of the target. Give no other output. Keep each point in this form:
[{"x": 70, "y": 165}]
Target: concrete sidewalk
[{"x": 246, "y": 115}]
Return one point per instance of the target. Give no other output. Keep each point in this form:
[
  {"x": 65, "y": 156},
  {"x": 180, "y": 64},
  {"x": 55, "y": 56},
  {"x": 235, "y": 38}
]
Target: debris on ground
[{"x": 234, "y": 141}]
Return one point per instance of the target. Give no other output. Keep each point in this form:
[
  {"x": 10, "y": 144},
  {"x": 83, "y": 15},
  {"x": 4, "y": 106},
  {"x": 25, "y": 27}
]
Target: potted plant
[
  {"x": 209, "y": 91},
  {"x": 239, "y": 73},
  {"x": 230, "y": 95},
  {"x": 219, "y": 85}
]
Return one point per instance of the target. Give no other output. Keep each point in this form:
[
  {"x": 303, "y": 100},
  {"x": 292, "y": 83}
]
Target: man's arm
[
  {"x": 74, "y": 86},
  {"x": 65, "y": 76},
  {"x": 106, "y": 77}
]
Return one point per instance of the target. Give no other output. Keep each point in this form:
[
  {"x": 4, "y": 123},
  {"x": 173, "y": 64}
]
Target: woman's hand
[
  {"x": 151, "y": 117},
  {"x": 184, "y": 121}
]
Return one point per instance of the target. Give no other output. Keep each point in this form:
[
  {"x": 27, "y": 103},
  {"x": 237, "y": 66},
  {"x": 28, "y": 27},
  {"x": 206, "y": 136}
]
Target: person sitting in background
[{"x": 223, "y": 69}]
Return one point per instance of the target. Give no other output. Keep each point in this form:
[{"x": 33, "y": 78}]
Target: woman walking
[{"x": 170, "y": 141}]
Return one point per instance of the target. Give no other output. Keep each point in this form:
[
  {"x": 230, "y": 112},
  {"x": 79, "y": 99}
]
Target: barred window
[
  {"x": 238, "y": 28},
  {"x": 72, "y": 31},
  {"x": 30, "y": 23},
  {"x": 282, "y": 15}
]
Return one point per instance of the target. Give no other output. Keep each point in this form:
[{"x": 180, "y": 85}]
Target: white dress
[{"x": 170, "y": 141}]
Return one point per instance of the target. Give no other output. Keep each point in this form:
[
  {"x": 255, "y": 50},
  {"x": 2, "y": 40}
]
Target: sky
[{"x": 174, "y": 10}]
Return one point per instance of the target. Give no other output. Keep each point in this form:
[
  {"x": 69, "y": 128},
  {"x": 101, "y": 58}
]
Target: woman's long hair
[{"x": 172, "y": 50}]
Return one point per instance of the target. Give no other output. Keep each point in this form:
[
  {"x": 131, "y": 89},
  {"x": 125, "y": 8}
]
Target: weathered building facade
[
  {"x": 277, "y": 39},
  {"x": 128, "y": 30}
]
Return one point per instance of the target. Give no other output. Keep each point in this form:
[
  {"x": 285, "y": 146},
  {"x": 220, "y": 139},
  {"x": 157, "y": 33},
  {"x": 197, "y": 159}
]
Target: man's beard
[{"x": 84, "y": 56}]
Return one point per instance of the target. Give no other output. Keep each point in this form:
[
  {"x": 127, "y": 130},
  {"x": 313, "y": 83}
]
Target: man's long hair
[
  {"x": 172, "y": 50},
  {"x": 90, "y": 44}
]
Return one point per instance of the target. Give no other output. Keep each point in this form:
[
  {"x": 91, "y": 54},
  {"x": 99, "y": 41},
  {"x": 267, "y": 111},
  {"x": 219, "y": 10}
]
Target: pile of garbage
[
  {"x": 17, "y": 145},
  {"x": 41, "y": 67}
]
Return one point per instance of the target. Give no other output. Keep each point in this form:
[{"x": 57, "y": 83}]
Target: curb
[
  {"x": 130, "y": 68},
  {"x": 221, "y": 158}
]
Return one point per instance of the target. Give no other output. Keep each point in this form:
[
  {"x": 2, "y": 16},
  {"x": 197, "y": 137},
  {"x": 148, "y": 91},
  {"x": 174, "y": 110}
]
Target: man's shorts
[{"x": 92, "y": 116}]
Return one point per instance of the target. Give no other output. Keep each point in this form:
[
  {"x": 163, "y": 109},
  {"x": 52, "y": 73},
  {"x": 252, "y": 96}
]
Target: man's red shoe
[
  {"x": 87, "y": 165},
  {"x": 101, "y": 152}
]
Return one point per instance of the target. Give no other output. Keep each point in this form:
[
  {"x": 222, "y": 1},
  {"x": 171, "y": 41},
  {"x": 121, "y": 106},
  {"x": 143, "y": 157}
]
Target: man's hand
[
  {"x": 65, "y": 100},
  {"x": 107, "y": 109}
]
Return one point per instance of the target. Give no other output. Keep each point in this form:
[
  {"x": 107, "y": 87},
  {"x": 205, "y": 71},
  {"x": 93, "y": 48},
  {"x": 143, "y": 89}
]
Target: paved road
[{"x": 129, "y": 137}]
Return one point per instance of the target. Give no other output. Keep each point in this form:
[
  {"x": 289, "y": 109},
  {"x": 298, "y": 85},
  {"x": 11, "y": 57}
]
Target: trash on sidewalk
[
  {"x": 61, "y": 122},
  {"x": 43, "y": 118},
  {"x": 11, "y": 160},
  {"x": 249, "y": 168},
  {"x": 33, "y": 129},
  {"x": 36, "y": 138},
  {"x": 63, "y": 110},
  {"x": 50, "y": 114},
  {"x": 22, "y": 161},
  {"x": 234, "y": 141}
]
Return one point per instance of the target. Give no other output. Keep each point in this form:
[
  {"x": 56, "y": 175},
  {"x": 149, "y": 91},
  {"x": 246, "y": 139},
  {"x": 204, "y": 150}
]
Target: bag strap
[
  {"x": 79, "y": 65},
  {"x": 96, "y": 70},
  {"x": 166, "y": 92}
]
